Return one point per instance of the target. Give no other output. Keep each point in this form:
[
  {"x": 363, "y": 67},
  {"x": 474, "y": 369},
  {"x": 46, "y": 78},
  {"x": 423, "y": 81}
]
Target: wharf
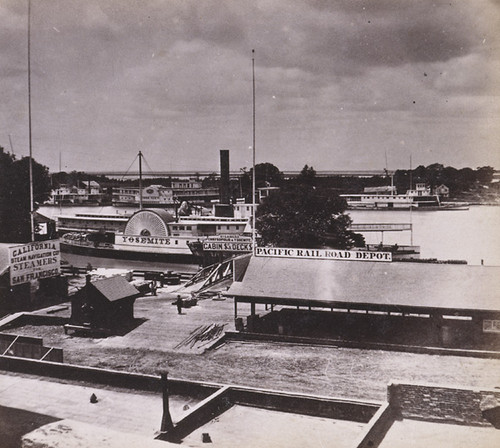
[{"x": 156, "y": 344}]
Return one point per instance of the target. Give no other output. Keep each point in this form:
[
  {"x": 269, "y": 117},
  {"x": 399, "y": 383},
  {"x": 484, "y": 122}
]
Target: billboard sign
[
  {"x": 228, "y": 243},
  {"x": 33, "y": 261},
  {"x": 324, "y": 254}
]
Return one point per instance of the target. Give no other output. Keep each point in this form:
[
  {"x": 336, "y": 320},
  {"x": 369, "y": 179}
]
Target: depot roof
[{"x": 396, "y": 286}]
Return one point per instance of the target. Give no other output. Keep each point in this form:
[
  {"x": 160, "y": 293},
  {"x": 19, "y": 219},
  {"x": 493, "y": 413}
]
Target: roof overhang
[{"x": 424, "y": 288}]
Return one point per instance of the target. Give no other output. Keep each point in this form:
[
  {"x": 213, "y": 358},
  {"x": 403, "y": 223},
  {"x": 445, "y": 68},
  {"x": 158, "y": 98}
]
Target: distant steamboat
[{"x": 386, "y": 198}]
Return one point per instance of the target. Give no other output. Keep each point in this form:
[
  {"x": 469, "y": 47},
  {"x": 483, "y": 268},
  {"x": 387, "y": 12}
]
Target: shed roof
[
  {"x": 370, "y": 285},
  {"x": 115, "y": 288}
]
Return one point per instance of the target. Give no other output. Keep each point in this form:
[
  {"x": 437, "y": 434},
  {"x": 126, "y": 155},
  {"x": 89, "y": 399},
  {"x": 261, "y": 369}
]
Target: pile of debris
[{"x": 202, "y": 335}]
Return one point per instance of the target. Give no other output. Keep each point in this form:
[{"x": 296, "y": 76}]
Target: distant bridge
[{"x": 203, "y": 174}]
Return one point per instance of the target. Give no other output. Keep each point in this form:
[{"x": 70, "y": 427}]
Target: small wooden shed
[{"x": 104, "y": 304}]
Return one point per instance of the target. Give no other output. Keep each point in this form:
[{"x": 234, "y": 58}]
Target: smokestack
[
  {"x": 224, "y": 177},
  {"x": 224, "y": 208}
]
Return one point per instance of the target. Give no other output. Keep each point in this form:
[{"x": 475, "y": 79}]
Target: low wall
[
  {"x": 113, "y": 378},
  {"x": 266, "y": 337},
  {"x": 325, "y": 407},
  {"x": 28, "y": 347},
  {"x": 439, "y": 403},
  {"x": 27, "y": 318}
]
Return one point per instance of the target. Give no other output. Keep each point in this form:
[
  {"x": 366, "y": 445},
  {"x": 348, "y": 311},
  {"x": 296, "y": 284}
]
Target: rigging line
[
  {"x": 128, "y": 169},
  {"x": 147, "y": 164}
]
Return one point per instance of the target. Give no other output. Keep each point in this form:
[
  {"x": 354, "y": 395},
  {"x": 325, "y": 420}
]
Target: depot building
[{"x": 341, "y": 297}]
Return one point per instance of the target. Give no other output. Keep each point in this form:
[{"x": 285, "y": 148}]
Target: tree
[
  {"x": 266, "y": 175},
  {"x": 211, "y": 181},
  {"x": 307, "y": 176},
  {"x": 15, "y": 221},
  {"x": 484, "y": 174},
  {"x": 303, "y": 217}
]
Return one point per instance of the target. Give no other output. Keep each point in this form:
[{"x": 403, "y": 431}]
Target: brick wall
[{"x": 439, "y": 403}]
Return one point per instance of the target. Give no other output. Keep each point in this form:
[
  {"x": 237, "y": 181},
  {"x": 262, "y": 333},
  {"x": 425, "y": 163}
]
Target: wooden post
[
  {"x": 166, "y": 420},
  {"x": 235, "y": 308}
]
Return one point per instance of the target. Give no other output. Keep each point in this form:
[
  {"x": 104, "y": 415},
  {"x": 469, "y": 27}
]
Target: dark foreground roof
[{"x": 370, "y": 285}]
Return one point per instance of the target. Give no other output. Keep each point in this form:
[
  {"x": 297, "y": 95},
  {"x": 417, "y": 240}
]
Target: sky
[{"x": 340, "y": 84}]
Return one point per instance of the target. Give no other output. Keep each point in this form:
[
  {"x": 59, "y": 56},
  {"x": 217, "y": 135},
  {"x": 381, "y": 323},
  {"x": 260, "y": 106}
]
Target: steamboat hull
[{"x": 120, "y": 254}]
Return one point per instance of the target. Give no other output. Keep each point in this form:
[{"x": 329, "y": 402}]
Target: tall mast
[
  {"x": 411, "y": 176},
  {"x": 32, "y": 216},
  {"x": 387, "y": 172},
  {"x": 60, "y": 198},
  {"x": 253, "y": 152},
  {"x": 140, "y": 180}
]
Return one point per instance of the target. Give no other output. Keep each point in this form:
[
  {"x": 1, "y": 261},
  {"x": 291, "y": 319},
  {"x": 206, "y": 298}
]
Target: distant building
[
  {"x": 158, "y": 195},
  {"x": 442, "y": 190},
  {"x": 153, "y": 195},
  {"x": 192, "y": 190},
  {"x": 88, "y": 192},
  {"x": 191, "y": 184}
]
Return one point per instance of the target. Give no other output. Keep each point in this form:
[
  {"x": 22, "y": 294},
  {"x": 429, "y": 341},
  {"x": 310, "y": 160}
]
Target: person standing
[{"x": 179, "y": 304}]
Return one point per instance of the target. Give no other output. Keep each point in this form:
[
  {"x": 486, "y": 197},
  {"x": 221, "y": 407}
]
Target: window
[{"x": 491, "y": 326}]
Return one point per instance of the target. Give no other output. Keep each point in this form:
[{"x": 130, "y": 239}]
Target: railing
[{"x": 212, "y": 274}]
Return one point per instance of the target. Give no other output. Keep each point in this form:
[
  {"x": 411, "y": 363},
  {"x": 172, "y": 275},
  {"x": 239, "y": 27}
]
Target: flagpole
[
  {"x": 32, "y": 217},
  {"x": 253, "y": 152}
]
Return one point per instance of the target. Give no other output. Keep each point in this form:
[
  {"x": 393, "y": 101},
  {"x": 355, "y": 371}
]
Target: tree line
[{"x": 306, "y": 211}]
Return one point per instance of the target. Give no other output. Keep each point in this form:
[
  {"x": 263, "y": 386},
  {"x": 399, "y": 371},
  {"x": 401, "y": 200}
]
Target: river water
[{"x": 472, "y": 235}]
